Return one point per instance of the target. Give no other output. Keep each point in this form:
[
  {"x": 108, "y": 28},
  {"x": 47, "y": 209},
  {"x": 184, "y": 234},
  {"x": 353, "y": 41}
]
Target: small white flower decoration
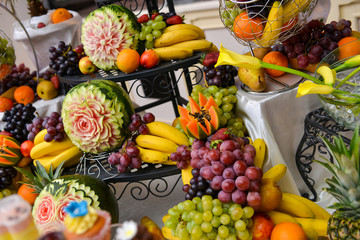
[{"x": 127, "y": 231}]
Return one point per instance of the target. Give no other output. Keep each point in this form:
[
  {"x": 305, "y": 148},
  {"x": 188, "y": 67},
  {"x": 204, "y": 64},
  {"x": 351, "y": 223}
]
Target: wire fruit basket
[{"x": 262, "y": 23}]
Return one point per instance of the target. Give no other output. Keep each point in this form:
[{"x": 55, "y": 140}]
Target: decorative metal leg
[{"x": 317, "y": 123}]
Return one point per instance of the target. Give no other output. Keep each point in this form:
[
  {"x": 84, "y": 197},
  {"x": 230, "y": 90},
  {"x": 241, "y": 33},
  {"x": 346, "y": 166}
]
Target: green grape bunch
[
  {"x": 209, "y": 218},
  {"x": 151, "y": 30},
  {"x": 7, "y": 52}
]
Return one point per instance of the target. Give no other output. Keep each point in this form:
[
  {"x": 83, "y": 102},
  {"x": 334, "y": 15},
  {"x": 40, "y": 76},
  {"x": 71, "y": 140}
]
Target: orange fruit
[
  {"x": 60, "y": 15},
  {"x": 288, "y": 231},
  {"x": 5, "y": 104},
  {"x": 348, "y": 47},
  {"x": 128, "y": 60},
  {"x": 247, "y": 28},
  {"x": 276, "y": 58},
  {"x": 24, "y": 94},
  {"x": 26, "y": 192}
]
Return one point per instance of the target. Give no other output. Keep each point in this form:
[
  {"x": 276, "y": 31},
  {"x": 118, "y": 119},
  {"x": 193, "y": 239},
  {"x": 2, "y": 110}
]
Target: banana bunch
[
  {"x": 53, "y": 153},
  {"x": 162, "y": 140},
  {"x": 294, "y": 208},
  {"x": 272, "y": 27},
  {"x": 180, "y": 41}
]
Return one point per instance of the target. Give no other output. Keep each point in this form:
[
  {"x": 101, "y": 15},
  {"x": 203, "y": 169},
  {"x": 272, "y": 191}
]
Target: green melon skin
[
  {"x": 108, "y": 30},
  {"x": 114, "y": 116}
]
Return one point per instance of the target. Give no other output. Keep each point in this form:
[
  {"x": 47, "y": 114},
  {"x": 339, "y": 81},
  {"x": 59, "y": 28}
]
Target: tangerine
[
  {"x": 5, "y": 104},
  {"x": 277, "y": 58},
  {"x": 24, "y": 94},
  {"x": 288, "y": 231},
  {"x": 60, "y": 15},
  {"x": 348, "y": 47},
  {"x": 128, "y": 60},
  {"x": 247, "y": 28},
  {"x": 27, "y": 193}
]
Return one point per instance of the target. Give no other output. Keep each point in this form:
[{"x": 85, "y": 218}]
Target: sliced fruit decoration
[
  {"x": 202, "y": 120},
  {"x": 56, "y": 192},
  {"x": 96, "y": 115},
  {"x": 108, "y": 30},
  {"x": 10, "y": 153}
]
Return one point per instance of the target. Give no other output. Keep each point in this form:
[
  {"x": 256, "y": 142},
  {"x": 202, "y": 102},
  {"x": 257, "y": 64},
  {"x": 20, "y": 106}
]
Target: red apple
[
  {"x": 149, "y": 59},
  {"x": 26, "y": 147},
  {"x": 55, "y": 80},
  {"x": 262, "y": 226},
  {"x": 6, "y": 133},
  {"x": 86, "y": 66}
]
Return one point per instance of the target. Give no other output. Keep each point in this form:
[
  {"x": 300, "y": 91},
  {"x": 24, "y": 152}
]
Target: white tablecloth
[{"x": 278, "y": 118}]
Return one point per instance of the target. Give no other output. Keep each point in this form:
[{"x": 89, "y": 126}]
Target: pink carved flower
[
  {"x": 45, "y": 212},
  {"x": 62, "y": 203}
]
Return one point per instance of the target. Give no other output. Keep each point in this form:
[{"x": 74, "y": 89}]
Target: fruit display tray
[
  {"x": 317, "y": 123},
  {"x": 159, "y": 82}
]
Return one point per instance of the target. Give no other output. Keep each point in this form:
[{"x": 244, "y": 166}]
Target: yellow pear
[{"x": 46, "y": 90}]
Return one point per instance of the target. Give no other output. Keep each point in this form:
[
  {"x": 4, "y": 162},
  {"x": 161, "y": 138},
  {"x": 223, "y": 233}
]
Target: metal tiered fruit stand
[{"x": 160, "y": 83}]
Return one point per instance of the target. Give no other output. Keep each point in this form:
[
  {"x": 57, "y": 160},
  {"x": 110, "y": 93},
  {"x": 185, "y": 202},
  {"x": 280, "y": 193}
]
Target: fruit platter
[{"x": 56, "y": 168}]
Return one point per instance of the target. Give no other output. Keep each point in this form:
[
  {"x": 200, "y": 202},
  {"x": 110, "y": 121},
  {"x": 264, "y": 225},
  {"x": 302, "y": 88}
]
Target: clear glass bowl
[{"x": 344, "y": 114}]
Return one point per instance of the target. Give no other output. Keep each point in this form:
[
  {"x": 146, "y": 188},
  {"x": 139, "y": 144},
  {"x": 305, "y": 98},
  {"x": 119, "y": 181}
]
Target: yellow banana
[
  {"x": 294, "y": 207},
  {"x": 170, "y": 38},
  {"x": 276, "y": 172},
  {"x": 55, "y": 152},
  {"x": 156, "y": 143},
  {"x": 177, "y": 27},
  {"x": 152, "y": 156},
  {"x": 45, "y": 148},
  {"x": 279, "y": 217},
  {"x": 292, "y": 8},
  {"x": 260, "y": 147},
  {"x": 40, "y": 137},
  {"x": 164, "y": 130},
  {"x": 71, "y": 156},
  {"x": 328, "y": 74},
  {"x": 317, "y": 225},
  {"x": 168, "y": 162},
  {"x": 198, "y": 45},
  {"x": 273, "y": 26},
  {"x": 186, "y": 175},
  {"x": 167, "y": 233},
  {"x": 318, "y": 211},
  {"x": 173, "y": 53}
]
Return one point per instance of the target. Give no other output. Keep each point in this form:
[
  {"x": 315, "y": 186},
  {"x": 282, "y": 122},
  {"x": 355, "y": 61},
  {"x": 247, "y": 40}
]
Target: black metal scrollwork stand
[{"x": 317, "y": 123}]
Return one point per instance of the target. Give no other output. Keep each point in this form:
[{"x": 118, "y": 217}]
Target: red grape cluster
[
  {"x": 182, "y": 156},
  {"x": 20, "y": 75},
  {"x": 229, "y": 168},
  {"x": 53, "y": 124},
  {"x": 64, "y": 60},
  {"x": 17, "y": 118},
  {"x": 126, "y": 158},
  {"x": 138, "y": 124},
  {"x": 316, "y": 40},
  {"x": 220, "y": 76}
]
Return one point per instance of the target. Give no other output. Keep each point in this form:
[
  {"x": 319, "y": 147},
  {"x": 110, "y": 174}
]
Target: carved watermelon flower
[{"x": 45, "y": 212}]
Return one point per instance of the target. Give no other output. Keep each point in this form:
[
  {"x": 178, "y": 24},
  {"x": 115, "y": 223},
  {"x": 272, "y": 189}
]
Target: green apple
[{"x": 86, "y": 66}]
